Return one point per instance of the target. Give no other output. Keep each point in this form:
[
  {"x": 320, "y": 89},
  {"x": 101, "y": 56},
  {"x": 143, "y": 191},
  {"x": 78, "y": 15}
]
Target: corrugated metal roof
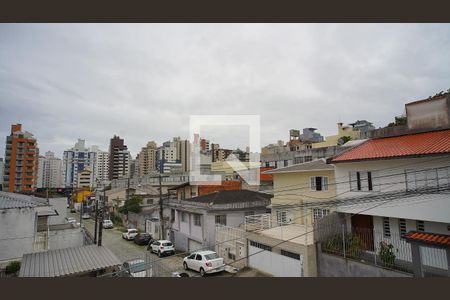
[
  {"x": 435, "y": 142},
  {"x": 68, "y": 261},
  {"x": 314, "y": 165},
  {"x": 13, "y": 200}
]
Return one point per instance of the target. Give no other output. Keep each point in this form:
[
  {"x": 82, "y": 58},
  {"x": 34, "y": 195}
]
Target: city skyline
[{"x": 133, "y": 80}]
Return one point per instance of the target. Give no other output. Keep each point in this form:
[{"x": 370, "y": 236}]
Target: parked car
[
  {"x": 149, "y": 247},
  {"x": 71, "y": 220},
  {"x": 162, "y": 247},
  {"x": 142, "y": 238},
  {"x": 85, "y": 216},
  {"x": 107, "y": 224},
  {"x": 129, "y": 234},
  {"x": 134, "y": 268},
  {"x": 73, "y": 210},
  {"x": 205, "y": 262}
]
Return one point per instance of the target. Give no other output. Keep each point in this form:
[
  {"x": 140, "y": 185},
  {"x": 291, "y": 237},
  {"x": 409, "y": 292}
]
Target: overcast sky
[{"x": 143, "y": 81}]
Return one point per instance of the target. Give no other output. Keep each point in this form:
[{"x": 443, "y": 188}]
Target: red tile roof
[
  {"x": 435, "y": 142},
  {"x": 429, "y": 238}
]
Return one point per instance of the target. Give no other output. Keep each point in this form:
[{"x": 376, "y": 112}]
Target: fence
[
  {"x": 258, "y": 222},
  {"x": 381, "y": 249},
  {"x": 231, "y": 244}
]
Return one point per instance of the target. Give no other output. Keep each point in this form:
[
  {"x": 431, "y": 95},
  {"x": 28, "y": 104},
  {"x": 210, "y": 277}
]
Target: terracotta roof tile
[
  {"x": 429, "y": 238},
  {"x": 435, "y": 142}
]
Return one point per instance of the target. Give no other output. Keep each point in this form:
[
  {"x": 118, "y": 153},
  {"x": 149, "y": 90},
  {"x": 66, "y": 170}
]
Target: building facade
[
  {"x": 50, "y": 171},
  {"x": 119, "y": 159},
  {"x": 76, "y": 160},
  {"x": 101, "y": 166},
  {"x": 21, "y": 161},
  {"x": 146, "y": 159}
]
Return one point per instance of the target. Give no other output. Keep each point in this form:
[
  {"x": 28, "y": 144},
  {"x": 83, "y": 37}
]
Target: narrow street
[{"x": 128, "y": 250}]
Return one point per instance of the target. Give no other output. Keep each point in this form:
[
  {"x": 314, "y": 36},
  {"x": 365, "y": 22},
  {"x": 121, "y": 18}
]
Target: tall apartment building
[
  {"x": 21, "y": 161},
  {"x": 2, "y": 167},
  {"x": 49, "y": 171},
  {"x": 146, "y": 159},
  {"x": 119, "y": 159},
  {"x": 204, "y": 145},
  {"x": 185, "y": 155},
  {"x": 85, "y": 178},
  {"x": 76, "y": 160},
  {"x": 101, "y": 166}
]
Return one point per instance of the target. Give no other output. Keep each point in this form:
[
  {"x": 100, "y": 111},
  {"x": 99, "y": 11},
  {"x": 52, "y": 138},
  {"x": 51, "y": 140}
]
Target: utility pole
[
  {"x": 100, "y": 230},
  {"x": 161, "y": 215},
  {"x": 96, "y": 216}
]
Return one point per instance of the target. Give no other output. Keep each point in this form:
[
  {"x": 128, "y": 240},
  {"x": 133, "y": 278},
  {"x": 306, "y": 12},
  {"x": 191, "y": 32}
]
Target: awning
[
  {"x": 51, "y": 212},
  {"x": 428, "y": 238}
]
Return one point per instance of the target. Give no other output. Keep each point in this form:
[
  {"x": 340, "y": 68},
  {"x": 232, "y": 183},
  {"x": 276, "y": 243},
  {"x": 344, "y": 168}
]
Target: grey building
[{"x": 191, "y": 222}]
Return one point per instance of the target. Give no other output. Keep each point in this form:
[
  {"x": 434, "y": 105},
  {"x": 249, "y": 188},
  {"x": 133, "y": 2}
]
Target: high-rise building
[
  {"x": 2, "y": 167},
  {"x": 146, "y": 159},
  {"x": 119, "y": 159},
  {"x": 185, "y": 155},
  {"x": 49, "y": 171},
  {"x": 85, "y": 178},
  {"x": 204, "y": 145},
  {"x": 76, "y": 160},
  {"x": 21, "y": 161},
  {"x": 101, "y": 166}
]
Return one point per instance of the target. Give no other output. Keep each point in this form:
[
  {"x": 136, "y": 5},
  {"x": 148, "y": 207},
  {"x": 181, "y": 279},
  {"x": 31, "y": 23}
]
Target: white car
[
  {"x": 135, "y": 268},
  {"x": 71, "y": 220},
  {"x": 205, "y": 262},
  {"x": 129, "y": 234},
  {"x": 107, "y": 224},
  {"x": 162, "y": 247}
]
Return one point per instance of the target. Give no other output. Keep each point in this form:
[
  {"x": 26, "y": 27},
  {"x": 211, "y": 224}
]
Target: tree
[
  {"x": 132, "y": 205},
  {"x": 399, "y": 120},
  {"x": 344, "y": 140}
]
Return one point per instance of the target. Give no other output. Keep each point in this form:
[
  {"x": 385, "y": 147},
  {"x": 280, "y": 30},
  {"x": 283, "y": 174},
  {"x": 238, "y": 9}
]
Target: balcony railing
[{"x": 258, "y": 222}]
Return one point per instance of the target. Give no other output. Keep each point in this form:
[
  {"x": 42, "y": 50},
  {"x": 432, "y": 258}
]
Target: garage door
[
  {"x": 194, "y": 245},
  {"x": 287, "y": 265}
]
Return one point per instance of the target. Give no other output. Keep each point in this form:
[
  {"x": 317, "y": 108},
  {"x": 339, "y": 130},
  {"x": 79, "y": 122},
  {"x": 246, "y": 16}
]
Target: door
[
  {"x": 198, "y": 262},
  {"x": 241, "y": 249},
  {"x": 362, "y": 226}
]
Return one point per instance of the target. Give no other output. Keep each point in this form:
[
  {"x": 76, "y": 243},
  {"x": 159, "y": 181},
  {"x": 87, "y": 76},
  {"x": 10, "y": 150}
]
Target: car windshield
[
  {"x": 167, "y": 244},
  {"x": 132, "y": 231},
  {"x": 211, "y": 256}
]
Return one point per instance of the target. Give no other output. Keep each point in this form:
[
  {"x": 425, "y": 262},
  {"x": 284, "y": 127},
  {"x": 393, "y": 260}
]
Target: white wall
[
  {"x": 60, "y": 239},
  {"x": 17, "y": 227},
  {"x": 60, "y": 205}
]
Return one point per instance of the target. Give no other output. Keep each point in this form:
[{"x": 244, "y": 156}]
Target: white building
[
  {"x": 49, "y": 171},
  {"x": 2, "y": 167},
  {"x": 395, "y": 186},
  {"x": 75, "y": 160},
  {"x": 101, "y": 165}
]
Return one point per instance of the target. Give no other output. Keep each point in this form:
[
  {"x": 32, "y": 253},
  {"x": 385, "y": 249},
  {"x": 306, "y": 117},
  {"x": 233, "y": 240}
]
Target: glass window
[
  {"x": 198, "y": 257},
  {"x": 221, "y": 219},
  {"x": 319, "y": 213},
  {"x": 197, "y": 220},
  {"x": 211, "y": 256}
]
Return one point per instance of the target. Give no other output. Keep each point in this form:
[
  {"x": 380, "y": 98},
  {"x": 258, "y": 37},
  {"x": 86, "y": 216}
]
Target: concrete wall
[
  {"x": 60, "y": 239},
  {"x": 60, "y": 205},
  {"x": 429, "y": 114},
  {"x": 17, "y": 228},
  {"x": 334, "y": 266}
]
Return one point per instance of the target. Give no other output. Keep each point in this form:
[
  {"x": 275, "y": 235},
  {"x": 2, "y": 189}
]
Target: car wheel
[
  {"x": 185, "y": 266},
  {"x": 159, "y": 253},
  {"x": 202, "y": 272}
]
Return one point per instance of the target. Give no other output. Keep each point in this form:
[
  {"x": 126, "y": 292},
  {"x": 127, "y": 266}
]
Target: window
[
  {"x": 172, "y": 214},
  {"x": 260, "y": 246},
  {"x": 197, "y": 220},
  {"x": 308, "y": 158},
  {"x": 221, "y": 219},
  {"x": 386, "y": 228},
  {"x": 285, "y": 163},
  {"x": 402, "y": 226},
  {"x": 319, "y": 183},
  {"x": 281, "y": 217},
  {"x": 420, "y": 226},
  {"x": 319, "y": 213},
  {"x": 290, "y": 254},
  {"x": 358, "y": 181},
  {"x": 183, "y": 217},
  {"x": 369, "y": 180},
  {"x": 198, "y": 257},
  {"x": 298, "y": 160},
  {"x": 267, "y": 164},
  {"x": 192, "y": 256},
  {"x": 249, "y": 213}
]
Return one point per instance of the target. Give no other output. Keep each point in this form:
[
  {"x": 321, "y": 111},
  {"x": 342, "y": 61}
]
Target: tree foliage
[
  {"x": 399, "y": 120},
  {"x": 132, "y": 205}
]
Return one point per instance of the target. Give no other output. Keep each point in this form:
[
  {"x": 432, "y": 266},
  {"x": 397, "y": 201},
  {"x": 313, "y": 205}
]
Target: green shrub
[
  {"x": 13, "y": 267},
  {"x": 386, "y": 254}
]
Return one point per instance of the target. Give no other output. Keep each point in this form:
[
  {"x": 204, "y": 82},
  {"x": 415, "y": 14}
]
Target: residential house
[
  {"x": 191, "y": 222},
  {"x": 188, "y": 190},
  {"x": 392, "y": 187},
  {"x": 26, "y": 226}
]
